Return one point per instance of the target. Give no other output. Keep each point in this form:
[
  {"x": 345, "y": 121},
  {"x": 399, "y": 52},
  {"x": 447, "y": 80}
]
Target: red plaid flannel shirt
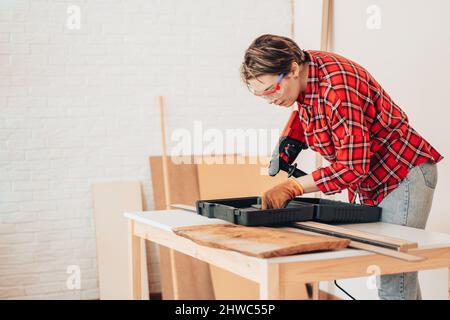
[{"x": 353, "y": 123}]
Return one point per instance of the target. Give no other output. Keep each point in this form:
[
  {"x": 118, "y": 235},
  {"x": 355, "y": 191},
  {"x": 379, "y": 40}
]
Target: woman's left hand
[{"x": 277, "y": 197}]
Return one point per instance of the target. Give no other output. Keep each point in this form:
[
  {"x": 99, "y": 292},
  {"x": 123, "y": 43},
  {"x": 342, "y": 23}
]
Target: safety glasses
[{"x": 274, "y": 92}]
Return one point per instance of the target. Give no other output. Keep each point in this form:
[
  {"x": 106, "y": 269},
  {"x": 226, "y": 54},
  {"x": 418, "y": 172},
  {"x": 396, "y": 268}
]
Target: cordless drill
[{"x": 292, "y": 141}]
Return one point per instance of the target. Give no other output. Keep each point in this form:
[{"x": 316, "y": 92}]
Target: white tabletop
[{"x": 169, "y": 219}]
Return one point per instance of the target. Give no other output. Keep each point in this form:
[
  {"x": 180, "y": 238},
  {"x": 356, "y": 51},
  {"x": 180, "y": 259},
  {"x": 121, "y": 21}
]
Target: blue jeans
[{"x": 408, "y": 205}]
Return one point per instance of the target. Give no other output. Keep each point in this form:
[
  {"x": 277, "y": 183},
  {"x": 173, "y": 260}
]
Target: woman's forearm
[{"x": 308, "y": 183}]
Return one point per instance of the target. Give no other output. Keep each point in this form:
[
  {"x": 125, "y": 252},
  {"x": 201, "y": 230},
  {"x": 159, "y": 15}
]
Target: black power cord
[{"x": 348, "y": 294}]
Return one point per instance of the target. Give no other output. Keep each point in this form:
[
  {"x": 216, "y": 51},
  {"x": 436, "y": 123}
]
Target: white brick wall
[{"x": 78, "y": 106}]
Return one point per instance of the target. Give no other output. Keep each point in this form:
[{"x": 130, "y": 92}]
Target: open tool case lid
[{"x": 247, "y": 211}]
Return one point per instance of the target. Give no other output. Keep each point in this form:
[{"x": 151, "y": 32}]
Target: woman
[{"x": 352, "y": 122}]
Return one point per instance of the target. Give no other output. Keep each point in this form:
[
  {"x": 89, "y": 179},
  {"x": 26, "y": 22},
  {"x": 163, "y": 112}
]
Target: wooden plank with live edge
[{"x": 262, "y": 242}]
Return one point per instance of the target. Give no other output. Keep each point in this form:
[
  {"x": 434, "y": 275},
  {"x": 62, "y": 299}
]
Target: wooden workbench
[{"x": 274, "y": 274}]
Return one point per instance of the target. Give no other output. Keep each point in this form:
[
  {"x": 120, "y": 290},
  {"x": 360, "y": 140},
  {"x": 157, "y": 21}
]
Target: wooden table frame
[{"x": 271, "y": 274}]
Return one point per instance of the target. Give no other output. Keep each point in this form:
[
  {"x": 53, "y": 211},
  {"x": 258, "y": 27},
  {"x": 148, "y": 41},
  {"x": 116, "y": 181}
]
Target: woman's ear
[{"x": 295, "y": 69}]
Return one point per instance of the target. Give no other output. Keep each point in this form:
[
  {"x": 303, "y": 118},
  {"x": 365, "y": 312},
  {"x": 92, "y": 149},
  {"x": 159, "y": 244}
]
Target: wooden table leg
[
  {"x": 173, "y": 266},
  {"x": 134, "y": 243},
  {"x": 269, "y": 286},
  {"x": 315, "y": 291}
]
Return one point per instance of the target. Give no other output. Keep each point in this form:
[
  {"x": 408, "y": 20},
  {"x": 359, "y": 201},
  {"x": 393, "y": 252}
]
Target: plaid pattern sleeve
[{"x": 353, "y": 123}]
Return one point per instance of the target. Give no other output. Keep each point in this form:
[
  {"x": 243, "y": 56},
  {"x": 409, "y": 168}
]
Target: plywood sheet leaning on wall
[
  {"x": 111, "y": 200},
  {"x": 192, "y": 277},
  {"x": 241, "y": 177}
]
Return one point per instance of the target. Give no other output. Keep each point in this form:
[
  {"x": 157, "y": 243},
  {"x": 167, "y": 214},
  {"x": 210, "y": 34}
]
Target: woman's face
[{"x": 289, "y": 87}]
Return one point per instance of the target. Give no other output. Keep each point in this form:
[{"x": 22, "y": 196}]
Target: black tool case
[
  {"x": 330, "y": 211},
  {"x": 247, "y": 211}
]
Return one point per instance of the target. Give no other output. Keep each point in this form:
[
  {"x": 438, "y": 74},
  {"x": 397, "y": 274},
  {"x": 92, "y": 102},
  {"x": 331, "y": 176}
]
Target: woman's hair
[{"x": 271, "y": 54}]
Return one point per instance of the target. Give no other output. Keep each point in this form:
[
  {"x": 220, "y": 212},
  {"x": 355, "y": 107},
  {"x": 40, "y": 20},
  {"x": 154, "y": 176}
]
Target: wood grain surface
[{"x": 262, "y": 242}]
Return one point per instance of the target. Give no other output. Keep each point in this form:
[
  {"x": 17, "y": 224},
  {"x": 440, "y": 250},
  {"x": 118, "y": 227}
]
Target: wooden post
[
  {"x": 164, "y": 152},
  {"x": 293, "y": 19},
  {"x": 172, "y": 255},
  {"x": 327, "y": 7}
]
